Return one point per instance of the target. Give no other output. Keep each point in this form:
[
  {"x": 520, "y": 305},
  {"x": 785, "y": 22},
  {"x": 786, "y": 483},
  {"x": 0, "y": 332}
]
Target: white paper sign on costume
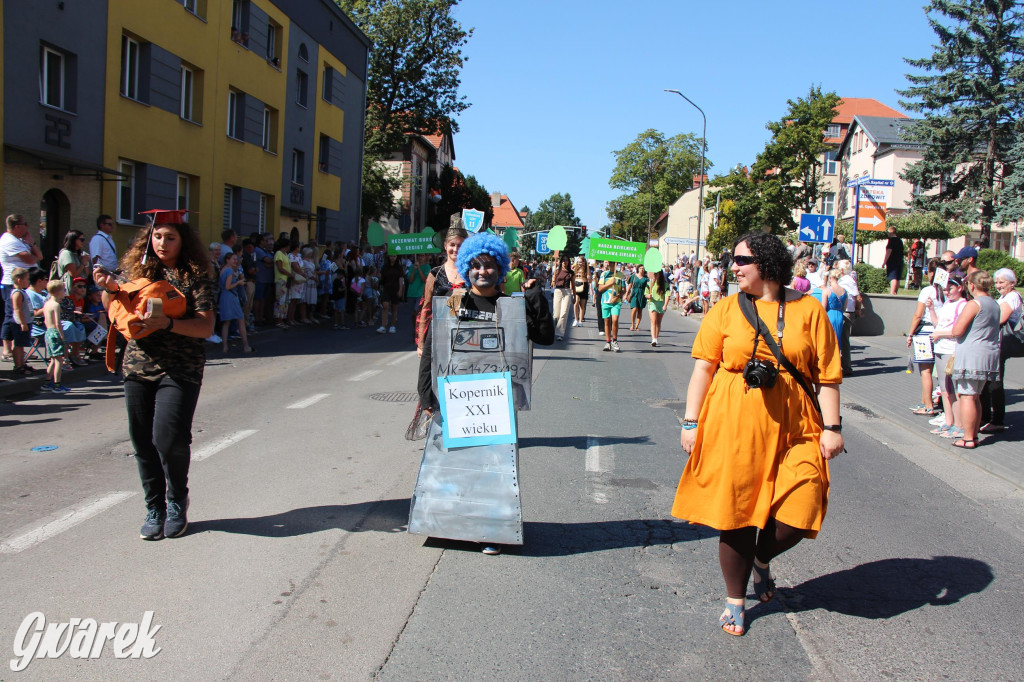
[
  {"x": 941, "y": 279},
  {"x": 97, "y": 336},
  {"x": 923, "y": 348},
  {"x": 477, "y": 409}
]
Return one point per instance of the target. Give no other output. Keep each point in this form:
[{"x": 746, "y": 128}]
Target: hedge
[
  {"x": 871, "y": 280},
  {"x": 991, "y": 260}
]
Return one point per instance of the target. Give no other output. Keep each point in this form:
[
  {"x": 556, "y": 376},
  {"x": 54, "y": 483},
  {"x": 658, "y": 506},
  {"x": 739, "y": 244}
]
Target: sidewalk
[{"x": 880, "y": 384}]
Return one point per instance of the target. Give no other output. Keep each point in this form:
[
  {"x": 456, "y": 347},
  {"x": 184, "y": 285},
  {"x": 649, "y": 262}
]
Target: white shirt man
[
  {"x": 101, "y": 246},
  {"x": 814, "y": 276}
]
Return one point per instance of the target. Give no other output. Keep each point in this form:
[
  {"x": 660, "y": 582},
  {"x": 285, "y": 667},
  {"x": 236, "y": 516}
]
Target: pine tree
[
  {"x": 971, "y": 91},
  {"x": 1011, "y": 205}
]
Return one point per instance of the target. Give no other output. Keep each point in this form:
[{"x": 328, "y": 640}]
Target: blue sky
[{"x": 556, "y": 86}]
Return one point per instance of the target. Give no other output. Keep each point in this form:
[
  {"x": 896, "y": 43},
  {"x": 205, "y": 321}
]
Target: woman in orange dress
[{"x": 758, "y": 456}]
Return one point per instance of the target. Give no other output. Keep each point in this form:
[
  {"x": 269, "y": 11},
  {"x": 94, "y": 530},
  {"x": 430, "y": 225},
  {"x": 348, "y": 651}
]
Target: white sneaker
[
  {"x": 615, "y": 346},
  {"x": 937, "y": 420},
  {"x": 607, "y": 346},
  {"x": 391, "y": 330},
  {"x": 381, "y": 330},
  {"x": 213, "y": 338}
]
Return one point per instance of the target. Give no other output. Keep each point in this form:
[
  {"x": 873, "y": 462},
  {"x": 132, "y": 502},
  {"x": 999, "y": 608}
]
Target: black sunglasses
[
  {"x": 743, "y": 260},
  {"x": 946, "y": 262}
]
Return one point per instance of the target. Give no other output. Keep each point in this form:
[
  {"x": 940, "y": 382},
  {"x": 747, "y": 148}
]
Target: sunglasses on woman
[{"x": 744, "y": 260}]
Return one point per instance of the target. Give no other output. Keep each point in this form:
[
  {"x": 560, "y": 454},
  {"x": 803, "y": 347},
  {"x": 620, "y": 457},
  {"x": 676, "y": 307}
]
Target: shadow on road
[
  {"x": 580, "y": 442},
  {"x": 890, "y": 587},
  {"x": 384, "y": 516},
  {"x": 544, "y": 539}
]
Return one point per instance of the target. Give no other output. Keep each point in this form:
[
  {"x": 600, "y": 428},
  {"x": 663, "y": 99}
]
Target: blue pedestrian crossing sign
[
  {"x": 542, "y": 244},
  {"x": 815, "y": 227}
]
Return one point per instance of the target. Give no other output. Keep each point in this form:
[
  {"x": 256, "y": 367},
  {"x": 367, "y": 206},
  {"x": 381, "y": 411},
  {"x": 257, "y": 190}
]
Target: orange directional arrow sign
[{"x": 873, "y": 204}]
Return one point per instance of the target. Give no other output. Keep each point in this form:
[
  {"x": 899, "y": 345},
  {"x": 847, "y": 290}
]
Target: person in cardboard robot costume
[{"x": 471, "y": 492}]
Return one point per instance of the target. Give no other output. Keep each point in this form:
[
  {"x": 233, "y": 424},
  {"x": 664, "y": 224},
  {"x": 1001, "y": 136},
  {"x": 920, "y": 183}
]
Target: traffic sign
[
  {"x": 869, "y": 181},
  {"x": 816, "y": 227},
  {"x": 684, "y": 241},
  {"x": 874, "y": 200},
  {"x": 542, "y": 244},
  {"x": 472, "y": 219}
]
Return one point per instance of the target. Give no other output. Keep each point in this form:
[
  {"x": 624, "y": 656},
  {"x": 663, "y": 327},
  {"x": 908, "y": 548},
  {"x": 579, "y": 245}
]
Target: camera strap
[{"x": 761, "y": 330}]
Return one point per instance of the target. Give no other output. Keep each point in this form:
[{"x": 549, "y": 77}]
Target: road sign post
[
  {"x": 875, "y": 214},
  {"x": 817, "y": 227}
]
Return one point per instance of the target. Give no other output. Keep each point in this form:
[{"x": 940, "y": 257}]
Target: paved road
[{"x": 297, "y": 565}]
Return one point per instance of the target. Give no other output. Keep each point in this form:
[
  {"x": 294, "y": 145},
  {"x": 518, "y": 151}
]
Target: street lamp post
[{"x": 703, "y": 144}]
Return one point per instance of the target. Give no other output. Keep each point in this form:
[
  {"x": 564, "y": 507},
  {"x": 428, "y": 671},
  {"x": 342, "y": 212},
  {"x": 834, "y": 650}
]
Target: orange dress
[{"x": 757, "y": 452}]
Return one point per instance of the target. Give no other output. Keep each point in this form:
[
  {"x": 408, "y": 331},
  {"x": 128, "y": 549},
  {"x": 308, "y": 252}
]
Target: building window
[
  {"x": 187, "y": 90},
  {"x": 325, "y": 154},
  {"x": 126, "y": 192},
  {"x": 298, "y": 162},
  {"x": 303, "y": 52},
  {"x": 321, "y": 225},
  {"x": 830, "y": 162},
  {"x": 328, "y": 83},
  {"x": 240, "y": 22},
  {"x": 234, "y": 115},
  {"x": 267, "y": 121},
  {"x": 828, "y": 203},
  {"x": 301, "y": 86},
  {"x": 229, "y": 207},
  {"x": 129, "y": 67},
  {"x": 183, "y": 193},
  {"x": 262, "y": 218},
  {"x": 190, "y": 5},
  {"x": 51, "y": 78},
  {"x": 273, "y": 43},
  {"x": 833, "y": 130}
]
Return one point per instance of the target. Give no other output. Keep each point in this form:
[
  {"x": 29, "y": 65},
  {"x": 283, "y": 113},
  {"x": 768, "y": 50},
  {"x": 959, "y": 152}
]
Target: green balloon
[
  {"x": 428, "y": 231},
  {"x": 375, "y": 235},
  {"x": 652, "y": 260},
  {"x": 557, "y": 238}
]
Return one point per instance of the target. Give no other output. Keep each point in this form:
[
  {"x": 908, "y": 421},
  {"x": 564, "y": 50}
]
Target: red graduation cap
[{"x": 165, "y": 217}]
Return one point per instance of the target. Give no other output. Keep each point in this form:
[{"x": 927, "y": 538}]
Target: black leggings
[
  {"x": 737, "y": 549},
  {"x": 160, "y": 425}
]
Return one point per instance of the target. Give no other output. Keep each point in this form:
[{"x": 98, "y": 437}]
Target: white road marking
[
  {"x": 215, "y": 446},
  {"x": 365, "y": 375},
  {"x": 63, "y": 520},
  {"x": 311, "y": 400},
  {"x": 402, "y": 358},
  {"x": 593, "y": 461}
]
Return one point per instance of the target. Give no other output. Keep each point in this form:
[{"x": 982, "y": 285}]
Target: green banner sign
[
  {"x": 401, "y": 244},
  {"x": 616, "y": 251}
]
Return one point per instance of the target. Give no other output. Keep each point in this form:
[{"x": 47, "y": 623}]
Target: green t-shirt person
[{"x": 514, "y": 281}]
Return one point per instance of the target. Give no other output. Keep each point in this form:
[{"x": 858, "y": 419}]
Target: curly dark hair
[
  {"x": 193, "y": 261},
  {"x": 774, "y": 263}
]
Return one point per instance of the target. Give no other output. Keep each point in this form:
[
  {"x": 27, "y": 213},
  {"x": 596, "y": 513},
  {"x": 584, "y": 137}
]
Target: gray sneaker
[
  {"x": 177, "y": 521},
  {"x": 607, "y": 346},
  {"x": 153, "y": 526},
  {"x": 615, "y": 346}
]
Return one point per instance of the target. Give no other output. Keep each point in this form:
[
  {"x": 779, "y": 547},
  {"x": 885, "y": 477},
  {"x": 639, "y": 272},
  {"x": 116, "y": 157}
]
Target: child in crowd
[
  {"x": 338, "y": 289},
  {"x": 18, "y": 321},
  {"x": 371, "y": 296},
  {"x": 56, "y": 347},
  {"x": 356, "y": 288},
  {"x": 95, "y": 316}
]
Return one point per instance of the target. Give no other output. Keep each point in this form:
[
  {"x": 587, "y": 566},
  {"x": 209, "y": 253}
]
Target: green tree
[
  {"x": 971, "y": 90},
  {"x": 555, "y": 210},
  {"x": 909, "y": 226},
  {"x": 379, "y": 187},
  {"x": 655, "y": 170},
  {"x": 414, "y": 71},
  {"x": 787, "y": 175},
  {"x": 727, "y": 231},
  {"x": 1012, "y": 197}
]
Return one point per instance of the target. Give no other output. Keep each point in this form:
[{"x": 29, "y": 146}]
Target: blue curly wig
[{"x": 482, "y": 242}]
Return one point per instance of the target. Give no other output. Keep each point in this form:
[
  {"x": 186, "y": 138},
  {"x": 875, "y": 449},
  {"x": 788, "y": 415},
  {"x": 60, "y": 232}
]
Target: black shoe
[
  {"x": 153, "y": 526},
  {"x": 177, "y": 522}
]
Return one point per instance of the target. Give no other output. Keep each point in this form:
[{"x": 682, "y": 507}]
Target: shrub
[
  {"x": 991, "y": 260},
  {"x": 871, "y": 280}
]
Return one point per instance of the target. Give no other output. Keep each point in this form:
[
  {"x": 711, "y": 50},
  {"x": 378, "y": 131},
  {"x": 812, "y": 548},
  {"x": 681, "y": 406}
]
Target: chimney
[
  {"x": 495, "y": 199},
  {"x": 697, "y": 180}
]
